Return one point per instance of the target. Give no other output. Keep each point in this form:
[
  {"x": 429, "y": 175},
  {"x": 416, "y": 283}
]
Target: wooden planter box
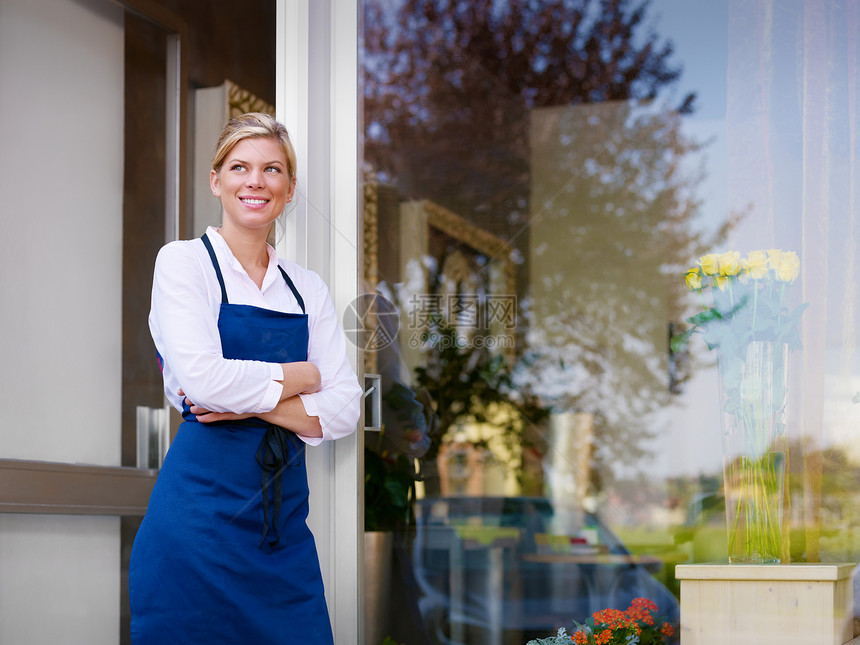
[{"x": 766, "y": 604}]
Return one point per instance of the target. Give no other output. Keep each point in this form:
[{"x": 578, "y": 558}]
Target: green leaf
[
  {"x": 704, "y": 317},
  {"x": 678, "y": 343}
]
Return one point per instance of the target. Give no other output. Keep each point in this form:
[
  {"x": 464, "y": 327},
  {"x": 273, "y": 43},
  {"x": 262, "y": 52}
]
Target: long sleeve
[
  {"x": 337, "y": 404},
  {"x": 183, "y": 322}
]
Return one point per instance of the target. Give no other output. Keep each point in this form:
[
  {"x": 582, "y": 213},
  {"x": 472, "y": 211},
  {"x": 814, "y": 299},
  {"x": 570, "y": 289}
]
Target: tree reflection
[
  {"x": 545, "y": 123},
  {"x": 449, "y": 85}
]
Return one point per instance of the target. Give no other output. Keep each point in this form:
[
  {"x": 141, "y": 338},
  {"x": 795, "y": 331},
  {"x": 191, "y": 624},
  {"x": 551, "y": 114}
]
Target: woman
[{"x": 253, "y": 356}]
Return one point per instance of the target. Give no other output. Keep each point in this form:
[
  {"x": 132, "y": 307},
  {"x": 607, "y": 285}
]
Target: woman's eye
[
  {"x": 237, "y": 167},
  {"x": 272, "y": 169}
]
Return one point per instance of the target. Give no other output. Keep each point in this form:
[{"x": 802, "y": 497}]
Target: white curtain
[{"x": 793, "y": 183}]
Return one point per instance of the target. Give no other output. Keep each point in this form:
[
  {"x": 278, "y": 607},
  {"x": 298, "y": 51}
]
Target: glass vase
[{"x": 753, "y": 383}]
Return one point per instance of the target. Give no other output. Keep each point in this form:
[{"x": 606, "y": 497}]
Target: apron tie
[{"x": 273, "y": 455}]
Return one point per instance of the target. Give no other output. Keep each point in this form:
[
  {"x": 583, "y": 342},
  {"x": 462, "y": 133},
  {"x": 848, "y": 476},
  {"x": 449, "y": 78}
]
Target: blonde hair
[{"x": 254, "y": 125}]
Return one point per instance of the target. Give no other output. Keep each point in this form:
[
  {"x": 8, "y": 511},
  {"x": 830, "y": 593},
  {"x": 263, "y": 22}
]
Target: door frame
[{"x": 316, "y": 97}]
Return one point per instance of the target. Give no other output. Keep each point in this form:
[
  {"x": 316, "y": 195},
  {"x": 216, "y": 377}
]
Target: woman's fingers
[{"x": 195, "y": 409}]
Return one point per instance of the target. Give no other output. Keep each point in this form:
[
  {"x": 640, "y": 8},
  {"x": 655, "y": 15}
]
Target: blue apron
[{"x": 224, "y": 554}]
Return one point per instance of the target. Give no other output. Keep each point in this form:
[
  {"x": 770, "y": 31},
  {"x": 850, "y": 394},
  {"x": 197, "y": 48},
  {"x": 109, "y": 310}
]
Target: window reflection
[{"x": 584, "y": 173}]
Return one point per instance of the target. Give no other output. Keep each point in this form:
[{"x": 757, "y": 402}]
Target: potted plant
[{"x": 636, "y": 624}]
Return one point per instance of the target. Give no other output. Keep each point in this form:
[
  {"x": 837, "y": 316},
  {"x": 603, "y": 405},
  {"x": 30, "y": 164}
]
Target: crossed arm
[{"x": 299, "y": 378}]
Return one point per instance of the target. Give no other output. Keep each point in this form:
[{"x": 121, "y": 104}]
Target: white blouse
[{"x": 186, "y": 299}]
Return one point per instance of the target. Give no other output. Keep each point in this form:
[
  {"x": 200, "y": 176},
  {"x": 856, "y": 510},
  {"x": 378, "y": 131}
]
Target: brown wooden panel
[{"x": 71, "y": 489}]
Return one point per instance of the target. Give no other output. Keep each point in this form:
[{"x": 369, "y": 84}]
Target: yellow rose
[
  {"x": 729, "y": 263},
  {"x": 786, "y": 265},
  {"x": 756, "y": 264},
  {"x": 710, "y": 264},
  {"x": 722, "y": 282},
  {"x": 694, "y": 279},
  {"x": 774, "y": 258}
]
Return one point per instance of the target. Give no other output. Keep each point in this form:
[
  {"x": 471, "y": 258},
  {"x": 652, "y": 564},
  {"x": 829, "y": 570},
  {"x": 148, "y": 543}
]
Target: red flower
[
  {"x": 603, "y": 637},
  {"x": 644, "y": 603},
  {"x": 616, "y": 626}
]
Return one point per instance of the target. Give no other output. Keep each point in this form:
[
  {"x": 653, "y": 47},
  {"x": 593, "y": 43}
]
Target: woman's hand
[
  {"x": 207, "y": 416},
  {"x": 290, "y": 413}
]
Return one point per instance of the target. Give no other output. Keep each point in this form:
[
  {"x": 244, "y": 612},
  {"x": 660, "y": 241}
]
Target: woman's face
[{"x": 254, "y": 184}]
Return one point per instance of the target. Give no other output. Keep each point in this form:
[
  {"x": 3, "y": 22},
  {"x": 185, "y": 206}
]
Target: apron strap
[
  {"x": 293, "y": 289},
  {"x": 215, "y": 264},
  {"x": 274, "y": 455}
]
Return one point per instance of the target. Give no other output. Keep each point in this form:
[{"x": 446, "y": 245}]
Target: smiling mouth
[{"x": 253, "y": 200}]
